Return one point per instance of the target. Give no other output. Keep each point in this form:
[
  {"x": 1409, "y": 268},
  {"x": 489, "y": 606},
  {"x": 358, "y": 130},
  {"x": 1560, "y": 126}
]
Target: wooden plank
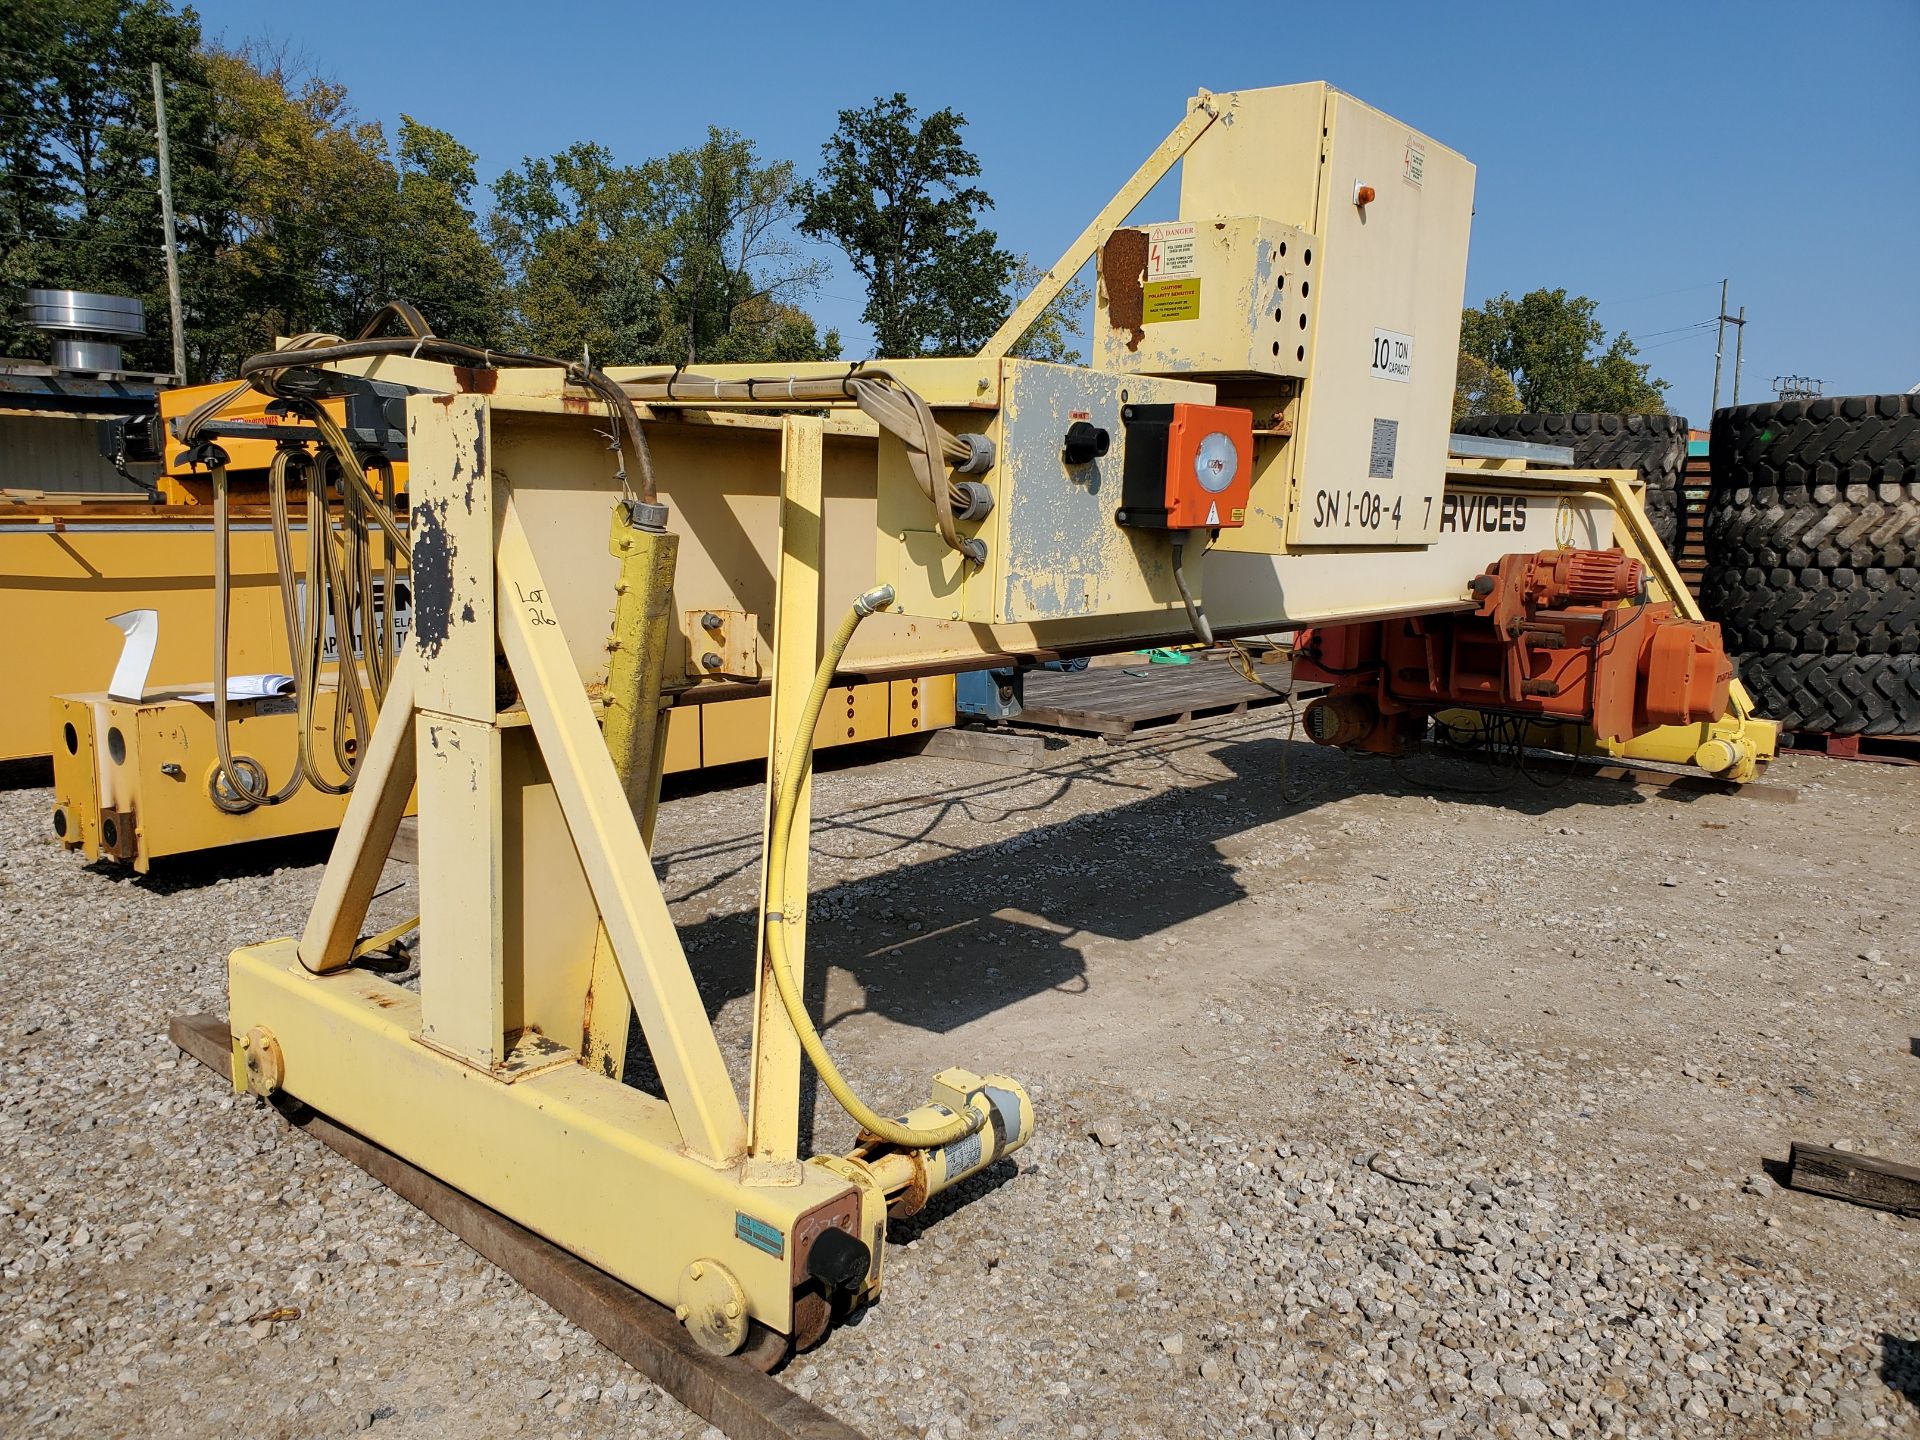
[
  {"x": 985, "y": 747},
  {"x": 1684, "y": 784},
  {"x": 1115, "y": 702},
  {"x": 724, "y": 1390},
  {"x": 1862, "y": 1179}
]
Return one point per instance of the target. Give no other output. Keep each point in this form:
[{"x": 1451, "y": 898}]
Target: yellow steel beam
[
  {"x": 462, "y": 858},
  {"x": 383, "y": 787},
  {"x": 773, "y": 1103},
  {"x": 607, "y": 840},
  {"x": 594, "y": 1165},
  {"x": 1201, "y": 113}
]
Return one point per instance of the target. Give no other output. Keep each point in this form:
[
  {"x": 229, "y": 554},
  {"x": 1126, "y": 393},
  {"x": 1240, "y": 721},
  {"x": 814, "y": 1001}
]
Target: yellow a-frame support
[{"x": 529, "y": 850}]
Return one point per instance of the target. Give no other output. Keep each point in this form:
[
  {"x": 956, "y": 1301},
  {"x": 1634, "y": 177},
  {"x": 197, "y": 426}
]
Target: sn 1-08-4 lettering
[{"x": 1355, "y": 510}]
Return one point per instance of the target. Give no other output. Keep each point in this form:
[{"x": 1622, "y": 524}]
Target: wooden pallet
[
  {"x": 1690, "y": 538},
  {"x": 1120, "y": 702},
  {"x": 1886, "y": 749},
  {"x": 725, "y": 1390}
]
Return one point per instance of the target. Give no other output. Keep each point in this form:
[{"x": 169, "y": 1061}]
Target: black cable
[{"x": 262, "y": 372}]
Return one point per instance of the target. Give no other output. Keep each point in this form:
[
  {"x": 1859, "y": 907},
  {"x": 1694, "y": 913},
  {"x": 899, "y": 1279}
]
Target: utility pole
[
  {"x": 1720, "y": 346},
  {"x": 1739, "y": 351},
  {"x": 166, "y": 224}
]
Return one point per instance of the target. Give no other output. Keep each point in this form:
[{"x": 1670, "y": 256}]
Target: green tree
[
  {"x": 562, "y": 226},
  {"x": 417, "y": 240},
  {"x": 1557, "y": 357},
  {"x": 1482, "y": 389},
  {"x": 79, "y": 206},
  {"x": 892, "y": 195},
  {"x": 720, "y": 250},
  {"x": 292, "y": 213},
  {"x": 304, "y": 181},
  {"x": 684, "y": 258},
  {"x": 1056, "y": 334}
]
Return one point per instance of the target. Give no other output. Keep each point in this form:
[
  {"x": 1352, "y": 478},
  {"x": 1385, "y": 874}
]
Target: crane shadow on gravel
[
  {"x": 1900, "y": 1366},
  {"x": 938, "y": 945}
]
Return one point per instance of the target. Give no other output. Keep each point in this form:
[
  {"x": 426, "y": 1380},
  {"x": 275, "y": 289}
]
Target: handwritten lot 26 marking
[{"x": 535, "y": 602}]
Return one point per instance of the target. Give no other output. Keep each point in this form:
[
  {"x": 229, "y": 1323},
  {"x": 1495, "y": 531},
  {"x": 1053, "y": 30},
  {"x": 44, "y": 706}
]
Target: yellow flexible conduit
[{"x": 799, "y": 766}]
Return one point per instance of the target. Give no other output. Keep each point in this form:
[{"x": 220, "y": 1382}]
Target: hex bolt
[
  {"x": 172, "y": 770},
  {"x": 733, "y": 1309},
  {"x": 710, "y": 621},
  {"x": 711, "y": 660},
  {"x": 696, "y": 1270}
]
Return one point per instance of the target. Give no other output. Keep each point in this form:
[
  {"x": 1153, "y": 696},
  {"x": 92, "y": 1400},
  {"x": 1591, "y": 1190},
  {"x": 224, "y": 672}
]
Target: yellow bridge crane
[{"x": 1260, "y": 445}]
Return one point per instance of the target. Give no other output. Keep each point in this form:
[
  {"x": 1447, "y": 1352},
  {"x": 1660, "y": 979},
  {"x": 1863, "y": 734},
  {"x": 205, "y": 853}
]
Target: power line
[
  {"x": 1693, "y": 334},
  {"x": 145, "y": 132},
  {"x": 1676, "y": 330},
  {"x": 82, "y": 241}
]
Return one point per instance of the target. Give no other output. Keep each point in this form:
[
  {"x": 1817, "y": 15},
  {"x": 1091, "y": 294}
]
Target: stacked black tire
[
  {"x": 1813, "y": 559},
  {"x": 1655, "y": 445}
]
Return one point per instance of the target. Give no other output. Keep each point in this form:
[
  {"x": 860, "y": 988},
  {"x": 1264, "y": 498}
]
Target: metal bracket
[{"x": 722, "y": 644}]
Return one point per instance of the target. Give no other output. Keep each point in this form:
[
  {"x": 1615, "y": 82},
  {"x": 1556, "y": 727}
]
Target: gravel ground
[{"x": 1397, "y": 1109}]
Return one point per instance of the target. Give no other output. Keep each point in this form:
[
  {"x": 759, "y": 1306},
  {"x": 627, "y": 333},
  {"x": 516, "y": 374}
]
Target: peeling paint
[{"x": 432, "y": 563}]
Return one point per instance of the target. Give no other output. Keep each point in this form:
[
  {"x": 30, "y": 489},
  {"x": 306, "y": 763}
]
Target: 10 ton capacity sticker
[{"x": 1392, "y": 356}]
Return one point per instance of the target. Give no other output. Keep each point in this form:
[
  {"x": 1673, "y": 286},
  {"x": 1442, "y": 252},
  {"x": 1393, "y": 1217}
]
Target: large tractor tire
[
  {"x": 1813, "y": 559},
  {"x": 1837, "y": 694},
  {"x": 1655, "y": 445},
  {"x": 1808, "y": 610}
]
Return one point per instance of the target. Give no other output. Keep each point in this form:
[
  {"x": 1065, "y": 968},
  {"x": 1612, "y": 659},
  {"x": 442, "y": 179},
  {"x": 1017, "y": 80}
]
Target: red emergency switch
[{"x": 1188, "y": 467}]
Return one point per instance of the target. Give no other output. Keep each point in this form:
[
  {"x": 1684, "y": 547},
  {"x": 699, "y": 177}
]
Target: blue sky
[{"x": 1635, "y": 153}]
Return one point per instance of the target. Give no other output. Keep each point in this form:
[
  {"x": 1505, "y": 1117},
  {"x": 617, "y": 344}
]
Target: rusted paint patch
[
  {"x": 432, "y": 562},
  {"x": 476, "y": 381},
  {"x": 1123, "y": 273},
  {"x": 576, "y": 405}
]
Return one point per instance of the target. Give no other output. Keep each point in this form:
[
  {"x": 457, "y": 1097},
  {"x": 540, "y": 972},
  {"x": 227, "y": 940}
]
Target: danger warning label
[{"x": 1172, "y": 251}]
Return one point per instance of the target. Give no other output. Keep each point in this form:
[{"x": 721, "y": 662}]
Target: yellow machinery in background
[
  {"x": 136, "y": 778},
  {"x": 68, "y": 562},
  {"x": 1262, "y": 446}
]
